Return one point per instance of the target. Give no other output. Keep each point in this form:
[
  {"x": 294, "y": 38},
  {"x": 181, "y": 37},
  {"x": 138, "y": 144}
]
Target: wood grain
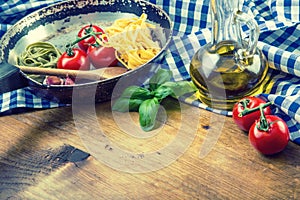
[{"x": 231, "y": 170}]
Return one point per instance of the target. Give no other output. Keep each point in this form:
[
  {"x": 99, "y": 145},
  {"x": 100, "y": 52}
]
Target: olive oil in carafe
[{"x": 221, "y": 78}]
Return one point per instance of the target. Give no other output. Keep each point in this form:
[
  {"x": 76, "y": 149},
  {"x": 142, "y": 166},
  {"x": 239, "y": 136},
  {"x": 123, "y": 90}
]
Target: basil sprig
[
  {"x": 148, "y": 111},
  {"x": 146, "y": 100}
]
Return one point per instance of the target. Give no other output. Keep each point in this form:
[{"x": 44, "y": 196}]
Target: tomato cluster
[
  {"x": 267, "y": 133},
  {"x": 89, "y": 51}
]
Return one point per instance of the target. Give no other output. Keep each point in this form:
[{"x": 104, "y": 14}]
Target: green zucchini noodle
[{"x": 39, "y": 54}]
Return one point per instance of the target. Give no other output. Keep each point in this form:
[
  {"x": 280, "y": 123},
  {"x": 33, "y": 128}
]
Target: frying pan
[{"x": 58, "y": 24}]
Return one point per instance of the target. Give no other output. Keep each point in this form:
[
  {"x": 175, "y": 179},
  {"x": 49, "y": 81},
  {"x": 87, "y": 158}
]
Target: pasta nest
[{"x": 132, "y": 39}]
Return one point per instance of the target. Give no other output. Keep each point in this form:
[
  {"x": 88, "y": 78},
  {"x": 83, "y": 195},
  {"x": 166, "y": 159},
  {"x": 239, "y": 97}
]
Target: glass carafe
[{"x": 229, "y": 67}]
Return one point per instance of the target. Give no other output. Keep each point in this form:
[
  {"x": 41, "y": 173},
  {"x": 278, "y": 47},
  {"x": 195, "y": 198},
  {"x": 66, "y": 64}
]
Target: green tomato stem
[
  {"x": 78, "y": 40},
  {"x": 263, "y": 123},
  {"x": 247, "y": 111},
  {"x": 70, "y": 51},
  {"x": 98, "y": 41},
  {"x": 89, "y": 32}
]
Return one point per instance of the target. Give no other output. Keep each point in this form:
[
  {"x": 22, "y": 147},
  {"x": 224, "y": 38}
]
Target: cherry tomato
[
  {"x": 84, "y": 44},
  {"x": 245, "y": 122},
  {"x": 102, "y": 56},
  {"x": 271, "y": 141},
  {"x": 77, "y": 61}
]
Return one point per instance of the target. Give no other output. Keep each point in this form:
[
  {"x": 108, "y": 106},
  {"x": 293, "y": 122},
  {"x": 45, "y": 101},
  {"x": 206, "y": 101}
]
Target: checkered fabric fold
[{"x": 279, "y": 23}]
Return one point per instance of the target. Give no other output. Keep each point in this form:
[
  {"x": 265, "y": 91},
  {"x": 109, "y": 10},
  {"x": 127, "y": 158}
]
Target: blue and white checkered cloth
[{"x": 279, "y": 22}]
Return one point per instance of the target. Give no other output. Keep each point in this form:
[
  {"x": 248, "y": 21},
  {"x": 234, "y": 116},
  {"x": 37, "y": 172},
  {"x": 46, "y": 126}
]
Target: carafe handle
[{"x": 245, "y": 55}]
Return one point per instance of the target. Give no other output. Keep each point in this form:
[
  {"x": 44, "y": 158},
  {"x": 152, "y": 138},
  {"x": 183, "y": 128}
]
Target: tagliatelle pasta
[
  {"x": 132, "y": 39},
  {"x": 39, "y": 54}
]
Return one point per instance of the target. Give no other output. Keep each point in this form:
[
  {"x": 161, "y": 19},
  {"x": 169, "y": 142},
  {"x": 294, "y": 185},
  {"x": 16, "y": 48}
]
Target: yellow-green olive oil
[{"x": 222, "y": 78}]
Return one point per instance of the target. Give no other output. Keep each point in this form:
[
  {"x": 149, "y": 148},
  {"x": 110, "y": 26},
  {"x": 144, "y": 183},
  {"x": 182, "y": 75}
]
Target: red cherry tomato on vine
[
  {"x": 245, "y": 122},
  {"x": 84, "y": 44},
  {"x": 271, "y": 141},
  {"x": 102, "y": 56},
  {"x": 77, "y": 61}
]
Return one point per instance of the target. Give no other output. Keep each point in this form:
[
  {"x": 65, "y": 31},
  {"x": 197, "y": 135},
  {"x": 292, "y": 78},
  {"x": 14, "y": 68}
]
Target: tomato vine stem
[
  {"x": 247, "y": 111},
  {"x": 263, "y": 124},
  {"x": 89, "y": 33}
]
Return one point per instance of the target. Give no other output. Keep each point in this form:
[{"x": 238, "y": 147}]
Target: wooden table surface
[{"x": 61, "y": 153}]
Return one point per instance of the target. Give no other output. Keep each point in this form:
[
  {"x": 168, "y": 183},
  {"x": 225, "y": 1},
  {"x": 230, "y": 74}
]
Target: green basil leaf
[
  {"x": 161, "y": 76},
  {"x": 147, "y": 113},
  {"x": 136, "y": 92},
  {"x": 180, "y": 88},
  {"x": 126, "y": 104},
  {"x": 162, "y": 92}
]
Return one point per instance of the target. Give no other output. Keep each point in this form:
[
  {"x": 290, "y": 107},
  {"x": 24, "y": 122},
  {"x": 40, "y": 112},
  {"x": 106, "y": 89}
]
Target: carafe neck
[{"x": 222, "y": 16}]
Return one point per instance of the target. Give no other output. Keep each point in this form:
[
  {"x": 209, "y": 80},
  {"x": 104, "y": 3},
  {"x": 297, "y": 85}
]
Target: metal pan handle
[{"x": 11, "y": 78}]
